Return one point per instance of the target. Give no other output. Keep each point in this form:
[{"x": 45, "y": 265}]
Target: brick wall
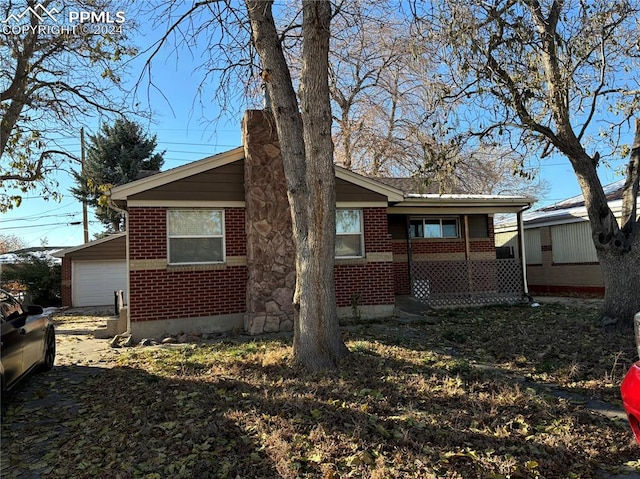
[
  {"x": 166, "y": 294},
  {"x": 147, "y": 233},
  {"x": 372, "y": 282},
  {"x": 66, "y": 282},
  {"x": 183, "y": 292}
]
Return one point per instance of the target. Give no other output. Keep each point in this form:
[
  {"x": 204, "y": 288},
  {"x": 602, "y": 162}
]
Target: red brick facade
[
  {"x": 166, "y": 294},
  {"x": 362, "y": 282},
  {"x": 183, "y": 292},
  {"x": 366, "y": 284}
]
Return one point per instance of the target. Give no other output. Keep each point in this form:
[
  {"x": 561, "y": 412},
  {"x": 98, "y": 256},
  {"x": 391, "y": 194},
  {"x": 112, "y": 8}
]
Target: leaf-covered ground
[{"x": 459, "y": 394}]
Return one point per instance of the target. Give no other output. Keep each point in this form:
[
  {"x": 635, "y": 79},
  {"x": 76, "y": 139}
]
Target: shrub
[{"x": 40, "y": 277}]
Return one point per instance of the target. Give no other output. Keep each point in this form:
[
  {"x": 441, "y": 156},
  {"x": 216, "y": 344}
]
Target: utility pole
[{"x": 85, "y": 216}]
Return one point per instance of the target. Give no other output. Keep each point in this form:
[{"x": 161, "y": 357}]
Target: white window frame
[
  {"x": 352, "y": 233},
  {"x": 222, "y": 236},
  {"x": 440, "y": 219}
]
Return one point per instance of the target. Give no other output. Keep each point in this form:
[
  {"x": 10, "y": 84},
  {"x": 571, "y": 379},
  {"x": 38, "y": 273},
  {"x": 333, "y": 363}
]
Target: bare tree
[
  {"x": 52, "y": 76},
  {"x": 303, "y": 123},
  {"x": 10, "y": 243},
  {"x": 389, "y": 119},
  {"x": 542, "y": 76},
  {"x": 304, "y": 130}
]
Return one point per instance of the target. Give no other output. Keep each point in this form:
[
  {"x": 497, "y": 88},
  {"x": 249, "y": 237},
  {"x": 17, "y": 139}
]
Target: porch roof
[{"x": 461, "y": 203}]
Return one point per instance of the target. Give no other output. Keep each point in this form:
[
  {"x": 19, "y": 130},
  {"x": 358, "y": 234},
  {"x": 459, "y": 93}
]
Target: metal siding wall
[
  {"x": 532, "y": 246},
  {"x": 572, "y": 243}
]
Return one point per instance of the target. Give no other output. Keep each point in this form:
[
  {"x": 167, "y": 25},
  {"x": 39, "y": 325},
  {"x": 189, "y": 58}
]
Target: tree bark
[
  {"x": 618, "y": 245},
  {"x": 304, "y": 132}
]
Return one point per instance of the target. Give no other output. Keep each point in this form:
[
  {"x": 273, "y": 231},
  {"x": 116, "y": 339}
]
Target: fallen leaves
[{"x": 412, "y": 400}]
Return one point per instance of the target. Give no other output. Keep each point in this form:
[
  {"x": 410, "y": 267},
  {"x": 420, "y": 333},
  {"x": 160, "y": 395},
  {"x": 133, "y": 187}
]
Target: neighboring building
[
  {"x": 209, "y": 245},
  {"x": 559, "y": 250},
  {"x": 47, "y": 253}
]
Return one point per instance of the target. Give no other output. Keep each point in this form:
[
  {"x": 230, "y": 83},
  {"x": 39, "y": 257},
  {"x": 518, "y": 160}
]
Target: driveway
[
  {"x": 76, "y": 343},
  {"x": 48, "y": 401}
]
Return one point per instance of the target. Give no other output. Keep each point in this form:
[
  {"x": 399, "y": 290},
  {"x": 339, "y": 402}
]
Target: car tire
[{"x": 49, "y": 350}]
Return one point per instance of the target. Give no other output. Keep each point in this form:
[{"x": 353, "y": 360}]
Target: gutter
[
  {"x": 127, "y": 333},
  {"x": 523, "y": 258}
]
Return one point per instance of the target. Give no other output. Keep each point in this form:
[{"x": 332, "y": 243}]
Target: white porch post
[{"x": 523, "y": 257}]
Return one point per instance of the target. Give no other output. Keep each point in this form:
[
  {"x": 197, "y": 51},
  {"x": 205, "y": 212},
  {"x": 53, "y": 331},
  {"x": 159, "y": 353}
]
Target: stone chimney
[{"x": 270, "y": 247}]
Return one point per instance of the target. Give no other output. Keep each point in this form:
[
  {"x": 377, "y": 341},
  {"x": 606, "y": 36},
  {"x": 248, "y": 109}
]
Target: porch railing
[{"x": 447, "y": 283}]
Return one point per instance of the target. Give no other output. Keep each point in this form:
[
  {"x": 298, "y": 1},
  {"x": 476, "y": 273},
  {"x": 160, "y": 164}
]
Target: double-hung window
[
  {"x": 349, "y": 234},
  {"x": 195, "y": 236},
  {"x": 434, "y": 228}
]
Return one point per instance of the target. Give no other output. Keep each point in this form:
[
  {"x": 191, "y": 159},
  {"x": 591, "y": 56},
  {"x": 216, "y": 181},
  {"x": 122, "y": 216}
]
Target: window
[
  {"x": 10, "y": 309},
  {"x": 195, "y": 236},
  {"x": 349, "y": 237},
  {"x": 433, "y": 228}
]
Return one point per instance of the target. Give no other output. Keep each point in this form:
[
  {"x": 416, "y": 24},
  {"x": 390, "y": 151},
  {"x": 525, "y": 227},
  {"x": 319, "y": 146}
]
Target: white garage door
[{"x": 95, "y": 281}]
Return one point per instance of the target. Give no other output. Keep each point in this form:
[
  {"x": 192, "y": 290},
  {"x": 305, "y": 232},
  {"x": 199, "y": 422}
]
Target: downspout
[
  {"x": 115, "y": 341},
  {"x": 467, "y": 255},
  {"x": 523, "y": 258},
  {"x": 409, "y": 253}
]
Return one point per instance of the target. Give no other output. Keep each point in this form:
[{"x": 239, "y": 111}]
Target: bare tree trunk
[
  {"x": 622, "y": 285},
  {"x": 307, "y": 152},
  {"x": 617, "y": 246}
]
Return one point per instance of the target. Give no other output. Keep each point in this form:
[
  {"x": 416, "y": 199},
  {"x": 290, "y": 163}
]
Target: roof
[
  {"x": 570, "y": 210},
  {"x": 64, "y": 252},
  {"x": 415, "y": 184},
  {"x": 612, "y": 191},
  {"x": 399, "y": 191},
  {"x": 42, "y": 252}
]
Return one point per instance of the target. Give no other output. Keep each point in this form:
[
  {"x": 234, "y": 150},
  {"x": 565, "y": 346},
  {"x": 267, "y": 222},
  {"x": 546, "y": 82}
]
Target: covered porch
[{"x": 444, "y": 250}]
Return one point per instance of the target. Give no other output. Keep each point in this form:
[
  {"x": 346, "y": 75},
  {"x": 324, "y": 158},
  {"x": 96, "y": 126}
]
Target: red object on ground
[{"x": 630, "y": 390}]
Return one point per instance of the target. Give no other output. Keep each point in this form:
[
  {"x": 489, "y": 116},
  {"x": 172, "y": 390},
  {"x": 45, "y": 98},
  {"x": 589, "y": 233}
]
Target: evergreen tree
[{"x": 117, "y": 155}]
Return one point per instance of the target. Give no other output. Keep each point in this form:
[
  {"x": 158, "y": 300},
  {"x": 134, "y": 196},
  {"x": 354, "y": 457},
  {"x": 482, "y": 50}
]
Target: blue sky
[
  {"x": 186, "y": 138},
  {"x": 182, "y": 129}
]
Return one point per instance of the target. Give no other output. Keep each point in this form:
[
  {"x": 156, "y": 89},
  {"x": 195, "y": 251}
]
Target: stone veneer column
[{"x": 270, "y": 247}]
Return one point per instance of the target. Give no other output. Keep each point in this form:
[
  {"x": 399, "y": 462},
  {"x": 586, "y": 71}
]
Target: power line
[
  {"x": 72, "y": 223},
  {"x": 36, "y": 218}
]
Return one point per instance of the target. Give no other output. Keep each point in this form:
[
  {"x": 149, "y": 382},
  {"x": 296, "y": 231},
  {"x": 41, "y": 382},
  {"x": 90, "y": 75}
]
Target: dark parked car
[
  {"x": 28, "y": 340},
  {"x": 630, "y": 387}
]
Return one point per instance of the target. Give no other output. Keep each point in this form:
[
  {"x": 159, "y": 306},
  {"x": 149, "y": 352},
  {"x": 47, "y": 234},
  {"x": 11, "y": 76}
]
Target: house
[
  {"x": 209, "y": 244},
  {"x": 559, "y": 251}
]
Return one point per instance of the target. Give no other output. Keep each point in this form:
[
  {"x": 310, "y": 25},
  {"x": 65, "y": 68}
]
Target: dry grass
[{"x": 455, "y": 396}]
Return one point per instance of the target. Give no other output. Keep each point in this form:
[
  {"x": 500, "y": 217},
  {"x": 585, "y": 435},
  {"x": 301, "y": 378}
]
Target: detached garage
[{"x": 93, "y": 271}]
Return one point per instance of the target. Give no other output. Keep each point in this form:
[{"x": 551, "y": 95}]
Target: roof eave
[
  {"x": 73, "y": 249},
  {"x": 508, "y": 203},
  {"x": 122, "y": 192}
]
